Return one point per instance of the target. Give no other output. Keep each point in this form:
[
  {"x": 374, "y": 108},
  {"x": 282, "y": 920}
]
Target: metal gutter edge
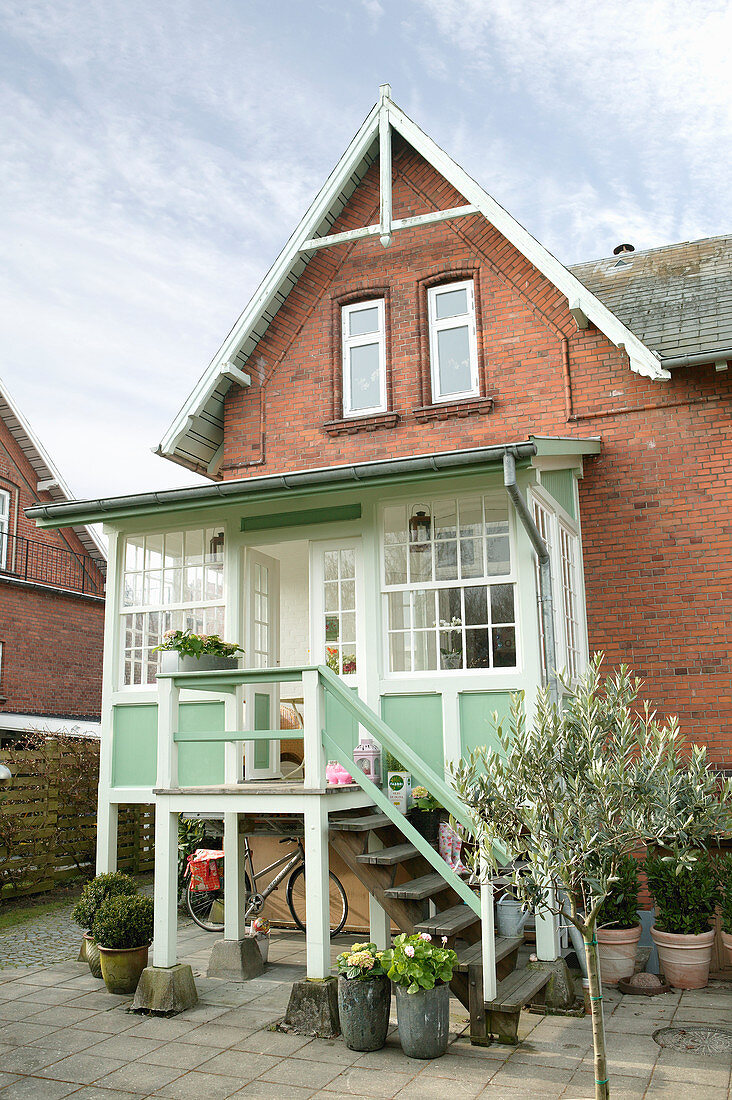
[
  {"x": 252, "y": 487},
  {"x": 697, "y": 357}
]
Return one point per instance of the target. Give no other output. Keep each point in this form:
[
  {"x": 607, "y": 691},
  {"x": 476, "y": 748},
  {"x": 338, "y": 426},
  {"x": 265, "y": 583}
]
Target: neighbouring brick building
[{"x": 51, "y": 595}]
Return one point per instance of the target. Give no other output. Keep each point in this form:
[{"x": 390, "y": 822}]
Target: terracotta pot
[
  {"x": 727, "y": 941},
  {"x": 617, "y": 949},
  {"x": 684, "y": 960},
  {"x": 122, "y": 967},
  {"x": 91, "y": 954}
]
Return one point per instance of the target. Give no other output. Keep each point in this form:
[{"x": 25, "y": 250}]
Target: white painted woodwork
[
  {"x": 385, "y": 173},
  {"x": 234, "y": 879},
  {"x": 379, "y": 919},
  {"x": 107, "y": 830},
  {"x": 317, "y": 889},
  {"x": 46, "y": 484},
  {"x": 168, "y": 712},
  {"x": 580, "y": 317},
  {"x": 230, "y": 370},
  {"x": 487, "y": 932},
  {"x": 266, "y": 612},
  {"x": 165, "y": 934},
  {"x": 399, "y": 223},
  {"x": 313, "y": 721},
  {"x": 547, "y": 932}
]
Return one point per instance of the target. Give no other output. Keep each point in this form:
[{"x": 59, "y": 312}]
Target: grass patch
[{"x": 20, "y": 914}]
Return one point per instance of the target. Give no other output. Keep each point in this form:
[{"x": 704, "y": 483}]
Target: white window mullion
[
  {"x": 451, "y": 310},
  {"x": 363, "y": 327}
]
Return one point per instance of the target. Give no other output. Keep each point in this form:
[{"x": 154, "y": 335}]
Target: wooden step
[
  {"x": 502, "y": 1014},
  {"x": 388, "y": 857},
  {"x": 360, "y": 824},
  {"x": 449, "y": 922},
  {"x": 473, "y": 955},
  {"x": 419, "y": 888}
]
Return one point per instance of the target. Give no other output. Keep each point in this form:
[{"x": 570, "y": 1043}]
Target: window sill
[
  {"x": 449, "y": 410},
  {"x": 351, "y": 425}
]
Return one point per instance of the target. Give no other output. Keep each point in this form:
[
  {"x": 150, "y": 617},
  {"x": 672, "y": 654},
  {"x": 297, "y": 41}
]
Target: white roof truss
[
  {"x": 195, "y": 436},
  {"x": 48, "y": 477}
]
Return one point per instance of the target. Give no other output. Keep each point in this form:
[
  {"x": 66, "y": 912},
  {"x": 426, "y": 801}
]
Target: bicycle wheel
[
  {"x": 296, "y": 901},
  {"x": 206, "y": 907}
]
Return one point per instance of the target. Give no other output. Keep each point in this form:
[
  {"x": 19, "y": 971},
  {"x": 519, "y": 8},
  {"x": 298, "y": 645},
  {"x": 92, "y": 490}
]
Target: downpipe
[{"x": 546, "y": 600}]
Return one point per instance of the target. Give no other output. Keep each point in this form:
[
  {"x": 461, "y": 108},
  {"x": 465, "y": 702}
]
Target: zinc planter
[
  {"x": 363, "y": 1007},
  {"x": 171, "y": 662},
  {"x": 424, "y": 1021},
  {"x": 727, "y": 941},
  {"x": 617, "y": 948},
  {"x": 121, "y": 968},
  {"x": 427, "y": 824},
  {"x": 684, "y": 960},
  {"x": 91, "y": 954}
]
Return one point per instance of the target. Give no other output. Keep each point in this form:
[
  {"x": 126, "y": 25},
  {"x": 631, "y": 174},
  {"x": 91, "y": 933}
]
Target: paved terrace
[{"x": 63, "y": 1035}]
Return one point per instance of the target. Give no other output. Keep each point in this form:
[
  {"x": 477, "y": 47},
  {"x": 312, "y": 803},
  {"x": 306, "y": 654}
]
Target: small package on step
[{"x": 399, "y": 789}]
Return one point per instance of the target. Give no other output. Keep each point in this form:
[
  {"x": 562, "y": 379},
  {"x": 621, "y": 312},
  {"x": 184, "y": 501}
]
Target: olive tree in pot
[
  {"x": 421, "y": 972},
  {"x": 364, "y": 997},
  {"x": 123, "y": 928},
  {"x": 618, "y": 927},
  {"x": 111, "y": 884},
  {"x": 685, "y": 890},
  {"x": 724, "y": 867},
  {"x": 583, "y": 785}
]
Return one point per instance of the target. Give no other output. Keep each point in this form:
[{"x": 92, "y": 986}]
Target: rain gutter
[{"x": 722, "y": 355}]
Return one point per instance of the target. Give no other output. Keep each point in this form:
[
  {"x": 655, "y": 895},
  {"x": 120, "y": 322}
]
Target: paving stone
[
  {"x": 294, "y": 1071},
  {"x": 68, "y": 1040},
  {"x": 125, "y": 1047},
  {"x": 179, "y": 1055},
  {"x": 140, "y": 1078},
  {"x": 83, "y": 1068},
  {"x": 52, "y": 995},
  {"x": 334, "y": 1051},
  {"x": 535, "y": 1080},
  {"x": 197, "y": 1086},
  {"x": 264, "y": 1090},
  {"x": 434, "y": 1088},
  {"x": 582, "y": 1084},
  {"x": 354, "y": 1081},
  {"x": 663, "y": 1085},
  {"x": 109, "y": 1023},
  {"x": 159, "y": 1027},
  {"x": 63, "y": 1016},
  {"x": 8, "y": 1078},
  {"x": 710, "y": 1069},
  {"x": 18, "y": 1009},
  {"x": 242, "y": 1064},
  {"x": 95, "y": 1092},
  {"x": 274, "y": 1042},
  {"x": 215, "y": 1034},
  {"x": 29, "y": 1059},
  {"x": 18, "y": 1034},
  {"x": 33, "y": 1088}
]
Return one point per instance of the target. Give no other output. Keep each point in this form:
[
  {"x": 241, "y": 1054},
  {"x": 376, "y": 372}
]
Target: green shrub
[
  {"x": 620, "y": 907},
  {"x": 112, "y": 884},
  {"x": 123, "y": 922},
  {"x": 724, "y": 870},
  {"x": 685, "y": 893}
]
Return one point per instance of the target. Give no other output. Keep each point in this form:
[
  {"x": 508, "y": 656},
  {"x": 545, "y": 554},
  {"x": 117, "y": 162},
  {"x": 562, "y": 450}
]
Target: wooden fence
[{"x": 48, "y": 816}]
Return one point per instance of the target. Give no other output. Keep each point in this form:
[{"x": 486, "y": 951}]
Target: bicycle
[{"x": 206, "y": 906}]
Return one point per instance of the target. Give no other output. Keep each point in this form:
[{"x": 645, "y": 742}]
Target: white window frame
[
  {"x": 461, "y": 321},
  {"x": 509, "y": 578},
  {"x": 4, "y": 526},
  {"x": 146, "y": 608},
  {"x": 348, "y": 342}
]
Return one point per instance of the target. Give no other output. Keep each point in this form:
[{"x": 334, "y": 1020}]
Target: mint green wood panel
[
  {"x": 261, "y": 722},
  {"x": 201, "y": 763},
  {"x": 417, "y": 719},
  {"x": 560, "y": 485},
  {"x": 477, "y": 727},
  {"x": 340, "y": 725},
  {"x": 134, "y": 745}
]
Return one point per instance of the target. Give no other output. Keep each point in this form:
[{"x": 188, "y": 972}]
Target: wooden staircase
[{"x": 404, "y": 883}]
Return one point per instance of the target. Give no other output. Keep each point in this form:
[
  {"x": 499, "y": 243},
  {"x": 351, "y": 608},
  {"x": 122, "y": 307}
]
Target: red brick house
[{"x": 51, "y": 595}]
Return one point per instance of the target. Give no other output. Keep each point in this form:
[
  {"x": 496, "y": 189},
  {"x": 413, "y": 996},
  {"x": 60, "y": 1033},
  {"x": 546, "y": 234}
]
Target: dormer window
[
  {"x": 364, "y": 358},
  {"x": 453, "y": 344}
]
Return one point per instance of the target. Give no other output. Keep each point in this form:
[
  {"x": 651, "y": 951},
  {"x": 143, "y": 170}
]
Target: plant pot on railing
[{"x": 183, "y": 651}]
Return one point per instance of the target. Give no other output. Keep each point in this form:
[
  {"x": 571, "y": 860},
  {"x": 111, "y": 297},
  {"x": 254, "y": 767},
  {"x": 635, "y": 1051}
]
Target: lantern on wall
[
  {"x": 419, "y": 529},
  {"x": 367, "y": 757}
]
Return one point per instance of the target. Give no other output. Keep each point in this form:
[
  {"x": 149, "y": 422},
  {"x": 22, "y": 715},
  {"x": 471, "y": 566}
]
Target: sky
[{"x": 154, "y": 157}]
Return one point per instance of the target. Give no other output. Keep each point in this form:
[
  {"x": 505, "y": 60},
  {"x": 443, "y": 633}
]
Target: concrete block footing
[
  {"x": 313, "y": 1009},
  {"x": 560, "y": 992},
  {"x": 165, "y": 990},
  {"x": 235, "y": 960}
]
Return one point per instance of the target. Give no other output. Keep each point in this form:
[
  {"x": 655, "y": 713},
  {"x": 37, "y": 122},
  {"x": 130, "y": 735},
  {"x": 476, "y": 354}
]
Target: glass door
[
  {"x": 336, "y": 590},
  {"x": 262, "y": 650}
]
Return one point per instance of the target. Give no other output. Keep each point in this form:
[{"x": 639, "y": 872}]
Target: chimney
[{"x": 623, "y": 248}]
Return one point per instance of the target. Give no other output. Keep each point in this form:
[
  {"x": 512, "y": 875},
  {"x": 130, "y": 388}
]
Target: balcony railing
[{"x": 44, "y": 563}]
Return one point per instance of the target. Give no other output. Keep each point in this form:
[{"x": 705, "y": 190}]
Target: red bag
[{"x": 204, "y": 869}]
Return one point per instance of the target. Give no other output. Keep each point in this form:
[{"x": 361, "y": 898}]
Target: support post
[
  {"x": 234, "y": 879},
  {"x": 233, "y": 750},
  {"x": 379, "y": 919},
  {"x": 317, "y": 889},
  {"x": 166, "y": 884},
  {"x": 107, "y": 830},
  {"x": 384, "y": 168},
  {"x": 547, "y": 931},
  {"x": 487, "y": 931},
  {"x": 313, "y": 722},
  {"x": 168, "y": 704}
]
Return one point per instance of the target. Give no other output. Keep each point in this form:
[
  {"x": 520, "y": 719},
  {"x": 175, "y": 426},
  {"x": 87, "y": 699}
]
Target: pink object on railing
[{"x": 336, "y": 774}]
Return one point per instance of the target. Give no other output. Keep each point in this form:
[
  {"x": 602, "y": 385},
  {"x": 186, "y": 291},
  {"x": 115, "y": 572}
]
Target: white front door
[
  {"x": 262, "y": 650},
  {"x": 336, "y": 590}
]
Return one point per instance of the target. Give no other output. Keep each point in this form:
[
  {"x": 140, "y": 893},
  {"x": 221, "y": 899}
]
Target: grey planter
[
  {"x": 171, "y": 662},
  {"x": 363, "y": 1007},
  {"x": 424, "y": 1021}
]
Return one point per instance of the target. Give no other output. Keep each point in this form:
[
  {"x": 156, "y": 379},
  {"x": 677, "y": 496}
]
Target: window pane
[
  {"x": 134, "y": 553},
  {"x": 449, "y": 608},
  {"x": 154, "y": 552},
  {"x": 348, "y": 595},
  {"x": 453, "y": 357},
  {"x": 395, "y": 524},
  {"x": 502, "y": 603},
  {"x": 348, "y": 627},
  {"x": 330, "y": 562},
  {"x": 348, "y": 564},
  {"x": 445, "y": 519},
  {"x": 365, "y": 383},
  {"x": 499, "y": 555},
  {"x": 471, "y": 557},
  {"x": 424, "y": 608},
  {"x": 399, "y": 653},
  {"x": 348, "y": 661},
  {"x": 451, "y": 303},
  {"x": 174, "y": 549},
  {"x": 504, "y": 647},
  {"x": 399, "y": 613},
  {"x": 194, "y": 547},
  {"x": 451, "y": 649},
  {"x": 477, "y": 648},
  {"x": 496, "y": 519},
  {"x": 471, "y": 518},
  {"x": 395, "y": 564},
  {"x": 331, "y": 595},
  {"x": 361, "y": 321},
  {"x": 331, "y": 628},
  {"x": 476, "y": 606},
  {"x": 446, "y": 561},
  {"x": 425, "y": 650},
  {"x": 420, "y": 562}
]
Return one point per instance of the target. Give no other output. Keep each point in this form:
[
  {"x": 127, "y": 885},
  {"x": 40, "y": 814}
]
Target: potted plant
[
  {"x": 259, "y": 928},
  {"x": 685, "y": 892},
  {"x": 425, "y": 814},
  {"x": 184, "y": 651},
  {"x": 724, "y": 868},
  {"x": 618, "y": 927},
  {"x": 123, "y": 928},
  {"x": 421, "y": 972},
  {"x": 111, "y": 884},
  {"x": 364, "y": 997}
]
